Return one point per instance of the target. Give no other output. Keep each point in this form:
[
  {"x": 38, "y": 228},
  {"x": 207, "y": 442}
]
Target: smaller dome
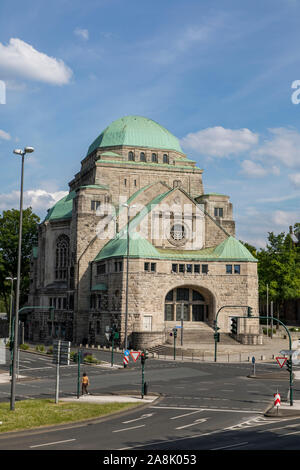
[{"x": 136, "y": 131}]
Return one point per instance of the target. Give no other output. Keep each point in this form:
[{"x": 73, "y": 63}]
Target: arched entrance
[{"x": 194, "y": 304}]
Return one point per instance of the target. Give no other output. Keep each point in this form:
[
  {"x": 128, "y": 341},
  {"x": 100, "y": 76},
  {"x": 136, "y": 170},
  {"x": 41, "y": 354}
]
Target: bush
[
  {"x": 91, "y": 359},
  {"x": 269, "y": 331},
  {"x": 50, "y": 350},
  {"x": 73, "y": 356},
  {"x": 40, "y": 348},
  {"x": 294, "y": 329},
  {"x": 24, "y": 347}
]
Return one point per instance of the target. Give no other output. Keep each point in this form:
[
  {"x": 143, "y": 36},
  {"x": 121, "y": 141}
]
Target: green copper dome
[{"x": 136, "y": 131}]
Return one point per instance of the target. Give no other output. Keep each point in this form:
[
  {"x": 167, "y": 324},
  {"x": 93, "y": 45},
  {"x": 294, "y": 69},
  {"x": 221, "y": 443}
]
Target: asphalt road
[{"x": 202, "y": 407}]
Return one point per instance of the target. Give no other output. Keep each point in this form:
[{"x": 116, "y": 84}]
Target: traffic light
[
  {"x": 250, "y": 312},
  {"x": 114, "y": 334},
  {"x": 144, "y": 357},
  {"x": 217, "y": 337},
  {"x": 234, "y": 325},
  {"x": 289, "y": 365},
  {"x": 175, "y": 332}
]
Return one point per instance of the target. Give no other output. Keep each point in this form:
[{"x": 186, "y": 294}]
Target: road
[{"x": 202, "y": 406}]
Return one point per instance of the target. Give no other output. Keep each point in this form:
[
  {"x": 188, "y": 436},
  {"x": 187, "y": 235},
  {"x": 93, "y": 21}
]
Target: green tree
[
  {"x": 279, "y": 269},
  {"x": 9, "y": 234}
]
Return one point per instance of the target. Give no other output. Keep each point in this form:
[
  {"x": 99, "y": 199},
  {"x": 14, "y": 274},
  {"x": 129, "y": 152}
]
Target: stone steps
[{"x": 192, "y": 344}]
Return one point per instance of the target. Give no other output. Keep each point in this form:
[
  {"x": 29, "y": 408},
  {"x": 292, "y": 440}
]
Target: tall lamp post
[
  {"x": 127, "y": 275},
  {"x": 16, "y": 326},
  {"x": 12, "y": 279}
]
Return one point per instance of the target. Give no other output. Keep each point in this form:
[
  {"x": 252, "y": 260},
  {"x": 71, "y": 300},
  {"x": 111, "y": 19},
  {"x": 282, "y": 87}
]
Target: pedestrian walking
[{"x": 85, "y": 382}]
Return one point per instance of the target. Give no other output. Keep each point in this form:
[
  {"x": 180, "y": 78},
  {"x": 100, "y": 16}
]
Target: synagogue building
[{"x": 138, "y": 244}]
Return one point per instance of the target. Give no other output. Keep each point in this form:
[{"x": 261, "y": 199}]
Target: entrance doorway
[{"x": 195, "y": 307}]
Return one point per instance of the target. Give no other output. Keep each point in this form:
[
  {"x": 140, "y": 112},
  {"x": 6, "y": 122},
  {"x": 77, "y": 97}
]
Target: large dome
[{"x": 136, "y": 131}]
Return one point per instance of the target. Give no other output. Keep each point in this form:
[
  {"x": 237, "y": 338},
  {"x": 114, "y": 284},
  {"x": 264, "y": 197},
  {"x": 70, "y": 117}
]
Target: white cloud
[
  {"x": 253, "y": 169},
  {"x": 284, "y": 219},
  {"x": 220, "y": 142},
  {"x": 39, "y": 199},
  {"x": 284, "y": 146},
  {"x": 295, "y": 179},
  {"x": 250, "y": 168},
  {"x": 4, "y": 135},
  {"x": 21, "y": 59},
  {"x": 82, "y": 33}
]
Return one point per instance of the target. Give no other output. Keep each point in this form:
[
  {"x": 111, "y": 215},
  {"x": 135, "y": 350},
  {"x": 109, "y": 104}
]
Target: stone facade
[{"x": 181, "y": 244}]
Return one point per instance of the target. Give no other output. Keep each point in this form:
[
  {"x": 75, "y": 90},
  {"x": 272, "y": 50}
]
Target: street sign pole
[
  {"x": 112, "y": 349},
  {"x": 175, "y": 334},
  {"x": 181, "y": 332},
  {"x": 253, "y": 366},
  {"x": 143, "y": 380},
  {"x": 57, "y": 372},
  {"x": 78, "y": 375}
]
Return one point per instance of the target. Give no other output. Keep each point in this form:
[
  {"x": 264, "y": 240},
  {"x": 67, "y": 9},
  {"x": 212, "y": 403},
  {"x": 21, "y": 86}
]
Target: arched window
[
  {"x": 154, "y": 158},
  {"x": 186, "y": 301},
  {"x": 62, "y": 257},
  {"x": 142, "y": 157},
  {"x": 131, "y": 156},
  {"x": 165, "y": 158}
]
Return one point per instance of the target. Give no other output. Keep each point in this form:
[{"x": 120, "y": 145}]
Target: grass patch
[{"x": 34, "y": 413}]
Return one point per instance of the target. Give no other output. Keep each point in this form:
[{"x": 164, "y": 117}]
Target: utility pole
[
  {"x": 181, "y": 332},
  {"x": 267, "y": 310}
]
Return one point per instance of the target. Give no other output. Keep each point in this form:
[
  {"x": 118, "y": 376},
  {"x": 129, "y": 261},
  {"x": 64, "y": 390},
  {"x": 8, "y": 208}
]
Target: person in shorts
[{"x": 85, "y": 382}]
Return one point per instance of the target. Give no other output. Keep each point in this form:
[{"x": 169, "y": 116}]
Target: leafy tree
[
  {"x": 279, "y": 267},
  {"x": 9, "y": 236}
]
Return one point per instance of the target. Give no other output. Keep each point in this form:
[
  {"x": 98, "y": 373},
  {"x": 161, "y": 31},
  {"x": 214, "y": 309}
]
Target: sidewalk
[
  {"x": 131, "y": 398},
  {"x": 284, "y": 411}
]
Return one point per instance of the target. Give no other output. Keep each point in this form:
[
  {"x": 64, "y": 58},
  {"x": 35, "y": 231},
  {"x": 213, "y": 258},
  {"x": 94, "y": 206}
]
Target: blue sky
[{"x": 217, "y": 74}]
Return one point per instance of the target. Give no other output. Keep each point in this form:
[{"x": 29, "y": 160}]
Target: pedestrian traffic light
[
  {"x": 289, "y": 365},
  {"x": 234, "y": 325},
  {"x": 217, "y": 337},
  {"x": 250, "y": 312}
]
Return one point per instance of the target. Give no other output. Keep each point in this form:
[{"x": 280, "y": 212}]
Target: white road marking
[
  {"x": 137, "y": 419},
  {"x": 289, "y": 434},
  {"x": 198, "y": 421},
  {"x": 205, "y": 409},
  {"x": 232, "y": 445},
  {"x": 281, "y": 427},
  {"x": 187, "y": 414},
  {"x": 128, "y": 429},
  {"x": 52, "y": 443}
]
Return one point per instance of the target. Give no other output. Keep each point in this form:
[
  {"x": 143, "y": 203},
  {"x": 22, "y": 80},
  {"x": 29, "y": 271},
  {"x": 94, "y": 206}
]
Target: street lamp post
[
  {"x": 127, "y": 276},
  {"x": 15, "y": 345}
]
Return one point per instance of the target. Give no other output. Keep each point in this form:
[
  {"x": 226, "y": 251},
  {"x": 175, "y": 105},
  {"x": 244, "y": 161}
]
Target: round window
[{"x": 177, "y": 232}]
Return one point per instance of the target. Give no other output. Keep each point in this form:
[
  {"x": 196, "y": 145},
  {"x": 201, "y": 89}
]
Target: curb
[{"x": 74, "y": 424}]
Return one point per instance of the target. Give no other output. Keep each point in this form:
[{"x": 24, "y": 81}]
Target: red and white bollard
[
  {"x": 277, "y": 401},
  {"x": 125, "y": 361}
]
